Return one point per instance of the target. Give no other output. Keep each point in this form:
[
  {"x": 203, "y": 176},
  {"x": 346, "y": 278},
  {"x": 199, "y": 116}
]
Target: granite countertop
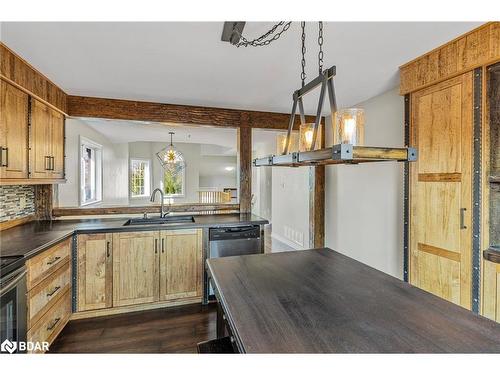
[{"x": 31, "y": 238}]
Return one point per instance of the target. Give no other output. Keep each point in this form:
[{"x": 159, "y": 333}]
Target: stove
[{"x": 10, "y": 263}]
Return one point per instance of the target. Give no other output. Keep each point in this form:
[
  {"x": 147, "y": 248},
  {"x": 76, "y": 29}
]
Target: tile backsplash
[{"x": 16, "y": 201}]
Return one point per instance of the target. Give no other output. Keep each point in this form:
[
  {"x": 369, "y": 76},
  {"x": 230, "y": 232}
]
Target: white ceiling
[{"x": 186, "y": 63}]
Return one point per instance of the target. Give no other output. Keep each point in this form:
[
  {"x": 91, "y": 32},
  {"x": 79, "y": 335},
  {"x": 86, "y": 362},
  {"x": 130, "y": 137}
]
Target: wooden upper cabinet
[
  {"x": 95, "y": 271},
  {"x": 47, "y": 142},
  {"x": 13, "y": 132},
  {"x": 40, "y": 140},
  {"x": 181, "y": 266},
  {"x": 440, "y": 189},
  {"x": 135, "y": 268},
  {"x": 57, "y": 127}
]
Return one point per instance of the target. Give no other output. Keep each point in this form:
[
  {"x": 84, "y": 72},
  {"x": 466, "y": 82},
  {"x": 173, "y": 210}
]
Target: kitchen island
[{"x": 320, "y": 301}]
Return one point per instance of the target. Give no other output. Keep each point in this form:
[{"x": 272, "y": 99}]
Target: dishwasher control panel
[{"x": 234, "y": 233}]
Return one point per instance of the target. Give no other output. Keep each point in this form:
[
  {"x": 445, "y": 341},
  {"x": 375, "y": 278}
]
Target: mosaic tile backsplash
[{"x": 10, "y": 202}]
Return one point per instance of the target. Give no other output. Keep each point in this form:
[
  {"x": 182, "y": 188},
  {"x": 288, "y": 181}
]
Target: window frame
[
  {"x": 150, "y": 179},
  {"x": 98, "y": 149}
]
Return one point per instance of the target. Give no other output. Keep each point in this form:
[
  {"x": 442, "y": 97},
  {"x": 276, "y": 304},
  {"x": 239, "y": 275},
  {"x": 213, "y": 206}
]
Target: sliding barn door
[{"x": 440, "y": 189}]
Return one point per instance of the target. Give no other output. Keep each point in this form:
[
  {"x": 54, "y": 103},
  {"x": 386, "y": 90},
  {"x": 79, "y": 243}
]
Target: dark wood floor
[{"x": 167, "y": 330}]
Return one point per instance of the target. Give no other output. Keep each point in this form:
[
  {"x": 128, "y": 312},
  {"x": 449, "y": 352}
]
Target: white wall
[
  {"x": 264, "y": 144},
  {"x": 364, "y": 203},
  {"x": 115, "y": 166},
  {"x": 213, "y": 173},
  {"x": 290, "y": 206}
]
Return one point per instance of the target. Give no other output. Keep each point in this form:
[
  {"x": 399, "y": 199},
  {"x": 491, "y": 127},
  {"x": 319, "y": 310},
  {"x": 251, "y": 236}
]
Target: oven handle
[{"x": 12, "y": 283}]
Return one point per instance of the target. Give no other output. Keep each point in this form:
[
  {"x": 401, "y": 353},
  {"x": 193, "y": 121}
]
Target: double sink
[{"x": 160, "y": 220}]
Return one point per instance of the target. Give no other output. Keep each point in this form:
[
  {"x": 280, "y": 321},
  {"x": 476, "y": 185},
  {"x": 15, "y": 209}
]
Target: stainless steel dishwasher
[{"x": 232, "y": 241}]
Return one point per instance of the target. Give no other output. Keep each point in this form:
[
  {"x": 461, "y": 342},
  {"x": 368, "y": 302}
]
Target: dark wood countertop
[
  {"x": 31, "y": 238},
  {"x": 321, "y": 301}
]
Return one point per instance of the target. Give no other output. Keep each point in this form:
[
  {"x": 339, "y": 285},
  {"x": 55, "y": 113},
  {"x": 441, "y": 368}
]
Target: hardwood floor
[{"x": 168, "y": 330}]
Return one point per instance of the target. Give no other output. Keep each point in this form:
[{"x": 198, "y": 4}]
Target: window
[
  {"x": 90, "y": 172},
  {"x": 140, "y": 180},
  {"x": 173, "y": 182}
]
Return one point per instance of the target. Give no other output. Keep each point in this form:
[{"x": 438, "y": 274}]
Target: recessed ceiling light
[{"x": 229, "y": 168}]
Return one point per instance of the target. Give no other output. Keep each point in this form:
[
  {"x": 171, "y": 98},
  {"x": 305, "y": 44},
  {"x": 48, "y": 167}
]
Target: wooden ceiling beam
[{"x": 119, "y": 109}]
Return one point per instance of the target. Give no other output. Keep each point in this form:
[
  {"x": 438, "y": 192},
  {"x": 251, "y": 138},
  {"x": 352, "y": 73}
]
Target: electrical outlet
[{"x": 22, "y": 202}]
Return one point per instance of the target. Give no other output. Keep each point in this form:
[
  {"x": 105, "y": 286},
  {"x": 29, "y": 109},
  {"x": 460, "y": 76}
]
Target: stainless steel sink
[{"x": 160, "y": 220}]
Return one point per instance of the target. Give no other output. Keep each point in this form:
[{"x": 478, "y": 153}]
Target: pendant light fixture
[
  {"x": 171, "y": 158},
  {"x": 348, "y": 127}
]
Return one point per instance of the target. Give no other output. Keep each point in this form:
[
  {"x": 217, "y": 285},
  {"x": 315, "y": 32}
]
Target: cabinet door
[
  {"x": 57, "y": 144},
  {"x": 440, "y": 189},
  {"x": 41, "y": 140},
  {"x": 13, "y": 132},
  {"x": 181, "y": 264},
  {"x": 135, "y": 268},
  {"x": 95, "y": 271},
  {"x": 491, "y": 290}
]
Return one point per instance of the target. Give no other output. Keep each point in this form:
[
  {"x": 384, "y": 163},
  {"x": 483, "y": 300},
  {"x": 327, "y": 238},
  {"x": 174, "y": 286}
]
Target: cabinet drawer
[
  {"x": 54, "y": 320},
  {"x": 42, "y": 265},
  {"x": 42, "y": 297}
]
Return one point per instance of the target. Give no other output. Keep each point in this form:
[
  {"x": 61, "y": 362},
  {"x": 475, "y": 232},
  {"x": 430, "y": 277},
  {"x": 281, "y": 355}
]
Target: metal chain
[
  {"x": 262, "y": 40},
  {"x": 320, "y": 43},
  {"x": 303, "y": 61}
]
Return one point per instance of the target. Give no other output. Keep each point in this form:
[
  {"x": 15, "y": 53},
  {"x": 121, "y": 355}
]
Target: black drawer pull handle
[
  {"x": 52, "y": 326},
  {"x": 2, "y": 164},
  {"x": 53, "y": 291},
  {"x": 162, "y": 245},
  {"x": 53, "y": 261}
]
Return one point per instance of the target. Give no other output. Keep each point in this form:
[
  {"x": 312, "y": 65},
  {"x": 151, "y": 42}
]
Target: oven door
[{"x": 13, "y": 314}]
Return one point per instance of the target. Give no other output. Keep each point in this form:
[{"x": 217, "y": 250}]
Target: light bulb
[{"x": 308, "y": 135}]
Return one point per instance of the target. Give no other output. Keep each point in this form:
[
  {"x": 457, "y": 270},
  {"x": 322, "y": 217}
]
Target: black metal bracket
[
  {"x": 476, "y": 190},
  {"x": 406, "y": 191},
  {"x": 324, "y": 79},
  {"x": 232, "y": 31}
]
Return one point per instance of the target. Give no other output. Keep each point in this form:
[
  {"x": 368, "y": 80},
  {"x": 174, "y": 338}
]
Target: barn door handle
[
  {"x": 462, "y": 218},
  {"x": 107, "y": 248}
]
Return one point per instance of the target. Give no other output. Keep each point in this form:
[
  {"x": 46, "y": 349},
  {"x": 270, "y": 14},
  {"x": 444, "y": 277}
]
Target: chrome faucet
[{"x": 152, "y": 199}]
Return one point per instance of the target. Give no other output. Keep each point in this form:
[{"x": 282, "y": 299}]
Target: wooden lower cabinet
[
  {"x": 130, "y": 271},
  {"x": 491, "y": 290},
  {"x": 95, "y": 271},
  {"x": 49, "y": 292},
  {"x": 181, "y": 266},
  {"x": 135, "y": 268}
]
